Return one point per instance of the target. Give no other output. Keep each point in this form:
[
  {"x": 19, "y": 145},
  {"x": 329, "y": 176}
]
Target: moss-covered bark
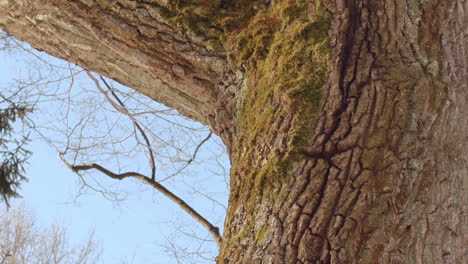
[
  {"x": 345, "y": 120},
  {"x": 329, "y": 156}
]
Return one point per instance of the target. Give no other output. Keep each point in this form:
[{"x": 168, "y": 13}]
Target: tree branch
[
  {"x": 181, "y": 203},
  {"x": 194, "y": 155},
  {"x": 140, "y": 129},
  {"x": 140, "y": 51},
  {"x": 125, "y": 111}
]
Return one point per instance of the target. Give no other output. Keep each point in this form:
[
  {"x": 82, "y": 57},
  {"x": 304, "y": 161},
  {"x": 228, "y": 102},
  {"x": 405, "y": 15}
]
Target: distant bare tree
[{"x": 23, "y": 241}]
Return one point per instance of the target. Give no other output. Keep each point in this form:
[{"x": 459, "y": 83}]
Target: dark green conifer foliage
[{"x": 13, "y": 155}]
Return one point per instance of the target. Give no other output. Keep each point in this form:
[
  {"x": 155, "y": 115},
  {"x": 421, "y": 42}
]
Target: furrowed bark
[
  {"x": 382, "y": 173},
  {"x": 345, "y": 120}
]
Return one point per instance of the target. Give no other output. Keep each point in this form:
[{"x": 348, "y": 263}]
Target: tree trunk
[{"x": 345, "y": 120}]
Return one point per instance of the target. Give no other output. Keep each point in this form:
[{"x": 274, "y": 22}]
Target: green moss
[
  {"x": 193, "y": 17},
  {"x": 282, "y": 49},
  {"x": 285, "y": 53}
]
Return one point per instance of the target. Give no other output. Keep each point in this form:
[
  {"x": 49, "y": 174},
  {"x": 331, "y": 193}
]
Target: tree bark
[
  {"x": 345, "y": 120},
  {"x": 383, "y": 174},
  {"x": 132, "y": 43}
]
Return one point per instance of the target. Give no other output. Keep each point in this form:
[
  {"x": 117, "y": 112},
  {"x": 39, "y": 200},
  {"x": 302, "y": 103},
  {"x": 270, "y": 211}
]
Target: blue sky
[{"x": 132, "y": 230}]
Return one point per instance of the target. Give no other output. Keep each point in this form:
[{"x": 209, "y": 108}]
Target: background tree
[
  {"x": 23, "y": 241},
  {"x": 344, "y": 120},
  {"x": 13, "y": 154}
]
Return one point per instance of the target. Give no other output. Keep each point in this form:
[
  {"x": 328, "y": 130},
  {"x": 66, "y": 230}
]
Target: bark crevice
[{"x": 345, "y": 120}]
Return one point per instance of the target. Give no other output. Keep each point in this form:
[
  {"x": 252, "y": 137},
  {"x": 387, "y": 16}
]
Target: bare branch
[
  {"x": 194, "y": 155},
  {"x": 137, "y": 125},
  {"x": 181, "y": 203},
  {"x": 125, "y": 111}
]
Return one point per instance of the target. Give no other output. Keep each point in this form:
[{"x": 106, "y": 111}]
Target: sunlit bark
[
  {"x": 131, "y": 42},
  {"x": 345, "y": 120}
]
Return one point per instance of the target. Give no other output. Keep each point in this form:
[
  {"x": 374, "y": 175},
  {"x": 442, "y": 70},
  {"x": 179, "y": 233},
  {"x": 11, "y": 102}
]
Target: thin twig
[
  {"x": 137, "y": 125},
  {"x": 181, "y": 203},
  {"x": 123, "y": 109},
  {"x": 194, "y": 155}
]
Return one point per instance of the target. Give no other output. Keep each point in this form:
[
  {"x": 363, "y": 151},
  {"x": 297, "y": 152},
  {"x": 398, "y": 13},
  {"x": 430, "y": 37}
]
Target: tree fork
[{"x": 345, "y": 120}]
